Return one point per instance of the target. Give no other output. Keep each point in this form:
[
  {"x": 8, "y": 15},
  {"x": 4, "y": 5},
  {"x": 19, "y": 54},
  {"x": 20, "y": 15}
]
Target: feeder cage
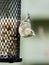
[{"x": 10, "y": 16}]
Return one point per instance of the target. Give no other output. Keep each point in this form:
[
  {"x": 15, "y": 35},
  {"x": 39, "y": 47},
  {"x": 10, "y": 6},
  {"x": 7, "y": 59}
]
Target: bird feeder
[{"x": 10, "y": 16}]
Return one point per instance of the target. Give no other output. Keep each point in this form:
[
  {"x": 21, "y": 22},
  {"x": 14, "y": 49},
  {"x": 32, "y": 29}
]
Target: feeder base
[{"x": 11, "y": 60}]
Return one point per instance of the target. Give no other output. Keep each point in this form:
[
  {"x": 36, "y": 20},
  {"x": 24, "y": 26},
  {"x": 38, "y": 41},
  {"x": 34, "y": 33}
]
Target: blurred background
[{"x": 35, "y": 50}]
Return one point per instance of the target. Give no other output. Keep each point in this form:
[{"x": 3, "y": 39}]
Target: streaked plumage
[{"x": 25, "y": 28}]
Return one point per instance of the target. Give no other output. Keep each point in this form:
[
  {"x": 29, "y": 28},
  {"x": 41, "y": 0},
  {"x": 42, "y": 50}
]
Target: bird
[{"x": 25, "y": 28}]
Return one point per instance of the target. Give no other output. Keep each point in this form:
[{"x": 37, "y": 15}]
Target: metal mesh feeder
[{"x": 10, "y": 16}]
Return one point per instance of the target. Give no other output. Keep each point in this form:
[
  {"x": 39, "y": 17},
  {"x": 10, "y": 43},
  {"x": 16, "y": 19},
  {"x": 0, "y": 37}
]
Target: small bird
[{"x": 25, "y": 28}]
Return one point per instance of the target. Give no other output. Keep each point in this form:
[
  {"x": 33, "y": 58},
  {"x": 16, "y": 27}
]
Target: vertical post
[{"x": 18, "y": 20}]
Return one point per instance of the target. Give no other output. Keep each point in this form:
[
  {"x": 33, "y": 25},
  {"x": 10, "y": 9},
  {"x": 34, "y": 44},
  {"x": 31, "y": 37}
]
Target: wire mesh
[{"x": 10, "y": 16}]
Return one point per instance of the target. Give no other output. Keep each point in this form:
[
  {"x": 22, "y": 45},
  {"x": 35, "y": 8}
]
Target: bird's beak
[{"x": 32, "y": 33}]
